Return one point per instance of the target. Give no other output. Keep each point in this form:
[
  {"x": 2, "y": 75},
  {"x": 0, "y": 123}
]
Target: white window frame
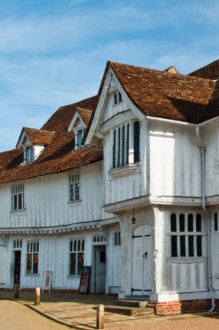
[
  {"x": 187, "y": 237},
  {"x": 17, "y": 198},
  {"x": 126, "y": 144},
  {"x": 79, "y": 134},
  {"x": 74, "y": 187},
  {"x": 117, "y": 98},
  {"x": 76, "y": 256},
  {"x": 29, "y": 154},
  {"x": 32, "y": 266}
]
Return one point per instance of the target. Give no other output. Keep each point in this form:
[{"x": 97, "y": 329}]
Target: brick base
[{"x": 179, "y": 307}]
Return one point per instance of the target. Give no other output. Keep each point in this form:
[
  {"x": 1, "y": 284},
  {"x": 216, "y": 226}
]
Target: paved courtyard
[{"x": 77, "y": 311}]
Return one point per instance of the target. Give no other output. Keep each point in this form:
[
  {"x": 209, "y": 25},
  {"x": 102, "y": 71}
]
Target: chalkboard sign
[{"x": 85, "y": 279}]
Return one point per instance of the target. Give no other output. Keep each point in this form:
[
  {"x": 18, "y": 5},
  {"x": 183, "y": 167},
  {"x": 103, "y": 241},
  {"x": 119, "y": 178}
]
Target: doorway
[
  {"x": 99, "y": 268},
  {"x": 17, "y": 267},
  {"x": 141, "y": 268}
]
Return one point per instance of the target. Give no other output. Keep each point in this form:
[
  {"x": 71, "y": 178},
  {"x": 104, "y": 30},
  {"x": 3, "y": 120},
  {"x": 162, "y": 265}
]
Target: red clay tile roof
[
  {"x": 61, "y": 119},
  {"x": 163, "y": 94},
  {"x": 86, "y": 115},
  {"x": 38, "y": 136},
  {"x": 59, "y": 155},
  {"x": 210, "y": 71}
]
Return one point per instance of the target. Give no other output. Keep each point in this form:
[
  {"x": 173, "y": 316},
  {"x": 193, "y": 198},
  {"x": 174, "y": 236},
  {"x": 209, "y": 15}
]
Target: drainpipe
[{"x": 204, "y": 208}]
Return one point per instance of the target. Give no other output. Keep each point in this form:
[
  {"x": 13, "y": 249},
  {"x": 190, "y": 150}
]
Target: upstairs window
[
  {"x": 126, "y": 144},
  {"x": 74, "y": 188},
  {"x": 29, "y": 154},
  {"x": 186, "y": 237},
  {"x": 17, "y": 198},
  {"x": 79, "y": 134},
  {"x": 117, "y": 97},
  {"x": 117, "y": 238}
]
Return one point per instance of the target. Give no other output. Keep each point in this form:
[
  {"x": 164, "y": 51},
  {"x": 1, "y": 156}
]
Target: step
[
  {"x": 132, "y": 303},
  {"x": 129, "y": 311}
]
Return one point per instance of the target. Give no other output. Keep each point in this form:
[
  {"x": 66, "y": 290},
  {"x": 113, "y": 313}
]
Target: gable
[{"x": 110, "y": 112}]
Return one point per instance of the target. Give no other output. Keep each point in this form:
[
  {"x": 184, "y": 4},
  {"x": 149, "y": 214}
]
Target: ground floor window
[
  {"x": 186, "y": 235},
  {"x": 76, "y": 256},
  {"x": 32, "y": 257}
]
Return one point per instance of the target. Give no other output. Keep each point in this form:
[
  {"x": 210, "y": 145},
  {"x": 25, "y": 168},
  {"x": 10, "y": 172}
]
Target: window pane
[
  {"x": 136, "y": 141},
  {"x": 190, "y": 222},
  {"x": 114, "y": 148},
  {"x": 118, "y": 148},
  {"x": 215, "y": 222},
  {"x": 173, "y": 222},
  {"x": 29, "y": 262},
  {"x": 191, "y": 246},
  {"x": 198, "y": 222},
  {"x": 35, "y": 264},
  {"x": 182, "y": 222},
  {"x": 72, "y": 263},
  {"x": 199, "y": 246},
  {"x": 80, "y": 262},
  {"x": 173, "y": 246},
  {"x": 182, "y": 246}
]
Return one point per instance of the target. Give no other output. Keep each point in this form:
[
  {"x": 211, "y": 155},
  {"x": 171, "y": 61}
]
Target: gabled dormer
[
  {"x": 33, "y": 141},
  {"x": 79, "y": 125}
]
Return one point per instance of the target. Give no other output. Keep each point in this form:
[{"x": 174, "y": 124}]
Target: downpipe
[{"x": 204, "y": 208}]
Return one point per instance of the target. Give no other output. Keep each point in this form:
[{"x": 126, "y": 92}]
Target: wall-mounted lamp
[{"x": 133, "y": 218}]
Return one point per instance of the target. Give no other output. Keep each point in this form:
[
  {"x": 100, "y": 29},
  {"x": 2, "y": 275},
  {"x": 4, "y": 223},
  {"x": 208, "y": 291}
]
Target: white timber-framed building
[{"x": 126, "y": 182}]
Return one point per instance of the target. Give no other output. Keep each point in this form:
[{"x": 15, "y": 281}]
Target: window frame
[
  {"x": 29, "y": 154},
  {"x": 186, "y": 235},
  {"x": 17, "y": 198},
  {"x": 32, "y": 257},
  {"x": 126, "y": 144},
  {"x": 74, "y": 187},
  {"x": 117, "y": 98},
  {"x": 76, "y": 256}
]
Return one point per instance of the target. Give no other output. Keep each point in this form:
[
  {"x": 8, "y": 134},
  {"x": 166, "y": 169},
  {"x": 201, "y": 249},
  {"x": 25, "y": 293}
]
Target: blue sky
[{"x": 54, "y": 52}]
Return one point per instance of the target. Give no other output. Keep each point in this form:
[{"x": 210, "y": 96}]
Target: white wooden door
[
  {"x": 141, "y": 273},
  {"x": 100, "y": 268}
]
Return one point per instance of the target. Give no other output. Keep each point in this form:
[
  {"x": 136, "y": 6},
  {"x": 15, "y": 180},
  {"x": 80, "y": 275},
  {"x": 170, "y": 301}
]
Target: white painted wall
[{"x": 47, "y": 201}]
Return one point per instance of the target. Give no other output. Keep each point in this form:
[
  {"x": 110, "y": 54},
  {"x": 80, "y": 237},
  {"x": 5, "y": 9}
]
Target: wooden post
[
  {"x": 37, "y": 296},
  {"x": 100, "y": 317},
  {"x": 16, "y": 290}
]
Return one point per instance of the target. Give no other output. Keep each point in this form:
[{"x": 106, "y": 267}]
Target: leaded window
[
  {"x": 74, "y": 188},
  {"x": 17, "y": 198},
  {"x": 186, "y": 235},
  {"x": 32, "y": 257},
  {"x": 76, "y": 256},
  {"x": 126, "y": 144}
]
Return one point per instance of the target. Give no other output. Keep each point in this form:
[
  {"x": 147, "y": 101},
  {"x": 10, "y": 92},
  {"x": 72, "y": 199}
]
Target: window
[
  {"x": 215, "y": 222},
  {"x": 117, "y": 97},
  {"x": 74, "y": 188},
  {"x": 32, "y": 257},
  {"x": 29, "y": 154},
  {"x": 17, "y": 198},
  {"x": 186, "y": 235},
  {"x": 126, "y": 144},
  {"x": 79, "y": 134},
  {"x": 17, "y": 244},
  {"x": 76, "y": 256},
  {"x": 117, "y": 238}
]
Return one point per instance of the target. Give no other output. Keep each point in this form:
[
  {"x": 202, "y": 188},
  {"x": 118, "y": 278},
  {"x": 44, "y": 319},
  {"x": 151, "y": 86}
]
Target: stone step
[
  {"x": 132, "y": 303},
  {"x": 130, "y": 311}
]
